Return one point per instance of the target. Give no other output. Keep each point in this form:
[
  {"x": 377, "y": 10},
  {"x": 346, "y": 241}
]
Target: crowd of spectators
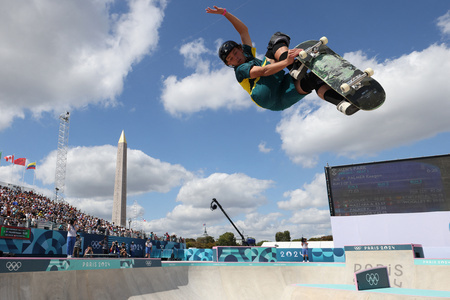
[{"x": 27, "y": 209}]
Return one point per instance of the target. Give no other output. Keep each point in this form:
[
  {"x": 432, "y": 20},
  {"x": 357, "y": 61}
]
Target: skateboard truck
[
  {"x": 355, "y": 82},
  {"x": 313, "y": 51}
]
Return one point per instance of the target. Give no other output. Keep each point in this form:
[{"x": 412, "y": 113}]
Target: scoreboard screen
[{"x": 401, "y": 186}]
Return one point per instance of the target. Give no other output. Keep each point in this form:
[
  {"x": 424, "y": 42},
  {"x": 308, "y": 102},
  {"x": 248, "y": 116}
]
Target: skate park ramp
[{"x": 196, "y": 280}]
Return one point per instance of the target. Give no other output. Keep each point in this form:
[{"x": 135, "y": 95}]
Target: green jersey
[{"x": 274, "y": 92}]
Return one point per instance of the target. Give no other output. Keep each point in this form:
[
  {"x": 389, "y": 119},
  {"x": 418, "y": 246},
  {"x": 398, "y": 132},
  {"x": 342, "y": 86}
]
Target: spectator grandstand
[{"x": 24, "y": 208}]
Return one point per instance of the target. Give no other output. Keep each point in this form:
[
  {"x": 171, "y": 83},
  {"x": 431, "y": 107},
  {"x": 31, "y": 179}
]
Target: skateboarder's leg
[
  {"x": 278, "y": 44},
  {"x": 278, "y": 47},
  {"x": 299, "y": 89},
  {"x": 312, "y": 82},
  {"x": 308, "y": 83},
  {"x": 328, "y": 94}
]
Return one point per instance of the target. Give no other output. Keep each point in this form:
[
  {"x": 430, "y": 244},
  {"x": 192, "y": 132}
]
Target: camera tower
[{"x": 61, "y": 157}]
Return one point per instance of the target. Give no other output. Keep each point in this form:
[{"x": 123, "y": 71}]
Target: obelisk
[{"x": 119, "y": 213}]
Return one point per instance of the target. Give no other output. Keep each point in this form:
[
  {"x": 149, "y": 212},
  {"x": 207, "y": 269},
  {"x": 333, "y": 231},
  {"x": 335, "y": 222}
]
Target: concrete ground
[{"x": 217, "y": 281}]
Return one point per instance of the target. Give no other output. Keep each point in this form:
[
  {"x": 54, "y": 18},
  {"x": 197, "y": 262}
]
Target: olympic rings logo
[
  {"x": 373, "y": 278},
  {"x": 95, "y": 244},
  {"x": 148, "y": 263},
  {"x": 13, "y": 265}
]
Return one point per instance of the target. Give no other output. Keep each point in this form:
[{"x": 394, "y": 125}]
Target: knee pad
[
  {"x": 283, "y": 56},
  {"x": 333, "y": 97},
  {"x": 277, "y": 41},
  {"x": 310, "y": 82},
  {"x": 279, "y": 37}
]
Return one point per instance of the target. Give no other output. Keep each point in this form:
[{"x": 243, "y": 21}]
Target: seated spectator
[
  {"x": 114, "y": 249},
  {"x": 123, "y": 250},
  {"x": 88, "y": 252}
]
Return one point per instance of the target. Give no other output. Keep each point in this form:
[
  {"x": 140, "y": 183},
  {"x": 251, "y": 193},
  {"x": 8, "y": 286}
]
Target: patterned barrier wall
[
  {"x": 44, "y": 242},
  {"x": 15, "y": 265},
  {"x": 271, "y": 254},
  {"x": 197, "y": 255},
  {"x": 314, "y": 254},
  {"x": 245, "y": 254},
  {"x": 53, "y": 243}
]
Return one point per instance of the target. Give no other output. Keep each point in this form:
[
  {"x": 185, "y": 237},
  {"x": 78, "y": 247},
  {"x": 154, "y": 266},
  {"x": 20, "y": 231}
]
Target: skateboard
[{"x": 356, "y": 86}]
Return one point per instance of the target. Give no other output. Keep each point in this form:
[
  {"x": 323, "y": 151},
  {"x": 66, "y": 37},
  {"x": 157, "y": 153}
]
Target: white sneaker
[{"x": 346, "y": 108}]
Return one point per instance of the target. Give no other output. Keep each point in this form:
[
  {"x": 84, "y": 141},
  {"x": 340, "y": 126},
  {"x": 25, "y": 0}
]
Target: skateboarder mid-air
[{"x": 266, "y": 82}]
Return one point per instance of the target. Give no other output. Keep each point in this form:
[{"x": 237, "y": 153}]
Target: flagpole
[
  {"x": 23, "y": 173},
  {"x": 12, "y": 170}
]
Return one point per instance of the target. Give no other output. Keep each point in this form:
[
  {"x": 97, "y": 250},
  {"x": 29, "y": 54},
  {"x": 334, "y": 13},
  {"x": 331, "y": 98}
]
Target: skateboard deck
[{"x": 353, "y": 84}]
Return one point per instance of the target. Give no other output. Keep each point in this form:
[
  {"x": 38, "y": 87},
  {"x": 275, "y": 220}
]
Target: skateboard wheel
[
  {"x": 324, "y": 40},
  {"x": 369, "y": 72},
  {"x": 303, "y": 54},
  {"x": 345, "y": 88}
]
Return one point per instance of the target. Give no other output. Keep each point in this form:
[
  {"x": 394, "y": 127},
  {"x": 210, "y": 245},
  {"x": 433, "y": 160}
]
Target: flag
[
  {"x": 31, "y": 166},
  {"x": 20, "y": 161},
  {"x": 9, "y": 158}
]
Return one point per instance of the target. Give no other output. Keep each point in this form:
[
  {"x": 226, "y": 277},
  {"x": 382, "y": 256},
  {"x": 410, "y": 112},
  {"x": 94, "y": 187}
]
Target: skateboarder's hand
[
  {"x": 294, "y": 52},
  {"x": 216, "y": 10}
]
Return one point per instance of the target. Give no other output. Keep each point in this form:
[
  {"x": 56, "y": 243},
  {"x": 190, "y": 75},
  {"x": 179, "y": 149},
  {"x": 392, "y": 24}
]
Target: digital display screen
[
  {"x": 11, "y": 232},
  {"x": 402, "y": 186}
]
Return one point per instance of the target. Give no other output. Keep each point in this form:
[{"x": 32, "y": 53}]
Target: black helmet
[{"x": 225, "y": 49}]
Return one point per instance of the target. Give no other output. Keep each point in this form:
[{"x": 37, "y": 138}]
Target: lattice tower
[{"x": 61, "y": 158}]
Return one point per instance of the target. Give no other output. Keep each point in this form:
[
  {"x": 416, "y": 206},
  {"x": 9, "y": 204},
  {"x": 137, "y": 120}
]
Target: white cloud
[
  {"x": 70, "y": 54},
  {"x": 311, "y": 195},
  {"x": 262, "y": 148},
  {"x": 443, "y": 23},
  {"x": 311, "y": 216},
  {"x": 416, "y": 108},
  {"x": 240, "y": 197},
  {"x": 205, "y": 89},
  {"x": 90, "y": 185},
  {"x": 90, "y": 175},
  {"x": 234, "y": 191},
  {"x": 238, "y": 194}
]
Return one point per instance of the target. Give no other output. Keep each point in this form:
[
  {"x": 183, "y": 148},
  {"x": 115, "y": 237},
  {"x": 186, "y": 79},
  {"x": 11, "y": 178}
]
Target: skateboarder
[{"x": 266, "y": 82}]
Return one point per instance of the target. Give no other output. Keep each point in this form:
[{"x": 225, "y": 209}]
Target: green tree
[
  {"x": 226, "y": 239},
  {"x": 205, "y": 242},
  {"x": 190, "y": 243},
  {"x": 283, "y": 236},
  {"x": 259, "y": 244},
  {"x": 322, "y": 238}
]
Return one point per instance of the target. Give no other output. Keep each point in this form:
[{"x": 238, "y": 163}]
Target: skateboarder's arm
[
  {"x": 270, "y": 69},
  {"x": 240, "y": 27},
  {"x": 267, "y": 70}
]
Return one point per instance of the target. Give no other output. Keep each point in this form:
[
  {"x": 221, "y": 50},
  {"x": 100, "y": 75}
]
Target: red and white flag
[{"x": 9, "y": 158}]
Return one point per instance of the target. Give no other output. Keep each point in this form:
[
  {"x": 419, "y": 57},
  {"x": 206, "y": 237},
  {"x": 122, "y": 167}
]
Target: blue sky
[{"x": 150, "y": 68}]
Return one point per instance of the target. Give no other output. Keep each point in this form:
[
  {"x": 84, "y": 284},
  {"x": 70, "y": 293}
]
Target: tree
[
  {"x": 322, "y": 238},
  {"x": 283, "y": 236},
  {"x": 226, "y": 239},
  {"x": 260, "y": 243},
  {"x": 203, "y": 242},
  {"x": 206, "y": 242},
  {"x": 190, "y": 243}
]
